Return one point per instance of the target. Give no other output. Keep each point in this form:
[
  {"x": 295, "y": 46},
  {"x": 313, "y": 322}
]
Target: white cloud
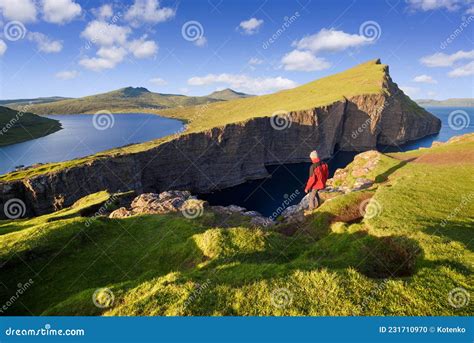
[
  {"x": 410, "y": 91},
  {"x": 303, "y": 61},
  {"x": 470, "y": 10},
  {"x": 103, "y": 34},
  {"x": 60, "y": 11},
  {"x": 3, "y": 47},
  {"x": 104, "y": 12},
  {"x": 465, "y": 70},
  {"x": 158, "y": 81},
  {"x": 429, "y": 5},
  {"x": 200, "y": 42},
  {"x": 255, "y": 61},
  {"x": 251, "y": 26},
  {"x": 331, "y": 40},
  {"x": 424, "y": 79},
  {"x": 21, "y": 10},
  {"x": 67, "y": 74},
  {"x": 108, "y": 58},
  {"x": 441, "y": 59},
  {"x": 142, "y": 48},
  {"x": 148, "y": 11},
  {"x": 44, "y": 43},
  {"x": 244, "y": 83}
]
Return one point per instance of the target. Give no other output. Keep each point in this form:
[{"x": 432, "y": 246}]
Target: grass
[
  {"x": 404, "y": 260},
  {"x": 18, "y": 126}
]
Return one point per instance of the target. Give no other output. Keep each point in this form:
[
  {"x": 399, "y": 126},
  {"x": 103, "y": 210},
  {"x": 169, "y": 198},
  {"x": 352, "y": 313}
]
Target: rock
[
  {"x": 235, "y": 208},
  {"x": 362, "y": 183},
  {"x": 121, "y": 212},
  {"x": 261, "y": 221},
  {"x": 251, "y": 214}
]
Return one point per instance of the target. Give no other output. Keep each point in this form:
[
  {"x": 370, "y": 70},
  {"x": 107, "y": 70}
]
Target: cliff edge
[{"x": 230, "y": 142}]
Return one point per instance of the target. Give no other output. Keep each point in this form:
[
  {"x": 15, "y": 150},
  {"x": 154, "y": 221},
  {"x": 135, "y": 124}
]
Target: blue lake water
[
  {"x": 79, "y": 137},
  {"x": 288, "y": 181}
]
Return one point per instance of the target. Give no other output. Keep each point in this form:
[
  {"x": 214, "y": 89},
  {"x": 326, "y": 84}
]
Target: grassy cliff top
[
  {"x": 366, "y": 78},
  {"x": 334, "y": 265}
]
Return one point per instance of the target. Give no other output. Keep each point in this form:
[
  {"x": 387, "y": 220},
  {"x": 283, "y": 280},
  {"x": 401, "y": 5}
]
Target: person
[{"x": 318, "y": 175}]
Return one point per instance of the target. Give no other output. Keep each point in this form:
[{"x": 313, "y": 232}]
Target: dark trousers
[{"x": 314, "y": 200}]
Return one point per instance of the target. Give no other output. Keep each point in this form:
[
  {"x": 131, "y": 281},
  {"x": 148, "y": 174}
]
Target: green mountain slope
[
  {"x": 18, "y": 126},
  {"x": 454, "y": 102},
  {"x": 399, "y": 259},
  {"x": 228, "y": 94},
  {"x": 128, "y": 99}
]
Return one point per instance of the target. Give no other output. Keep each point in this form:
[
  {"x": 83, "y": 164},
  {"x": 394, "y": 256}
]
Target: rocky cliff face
[{"x": 229, "y": 155}]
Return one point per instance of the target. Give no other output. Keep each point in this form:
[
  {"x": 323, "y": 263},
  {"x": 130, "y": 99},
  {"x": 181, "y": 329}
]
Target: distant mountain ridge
[
  {"x": 228, "y": 94},
  {"x": 452, "y": 102},
  {"x": 127, "y": 98}
]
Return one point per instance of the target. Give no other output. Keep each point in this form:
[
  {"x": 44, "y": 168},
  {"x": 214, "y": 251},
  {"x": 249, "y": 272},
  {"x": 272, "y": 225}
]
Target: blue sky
[{"x": 78, "y": 48}]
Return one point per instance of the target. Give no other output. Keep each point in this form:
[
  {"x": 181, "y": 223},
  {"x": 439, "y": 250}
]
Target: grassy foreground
[
  {"x": 19, "y": 126},
  {"x": 404, "y": 257}
]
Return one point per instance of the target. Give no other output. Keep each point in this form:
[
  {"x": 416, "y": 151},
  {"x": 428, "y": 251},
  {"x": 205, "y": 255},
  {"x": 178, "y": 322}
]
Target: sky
[{"x": 77, "y": 48}]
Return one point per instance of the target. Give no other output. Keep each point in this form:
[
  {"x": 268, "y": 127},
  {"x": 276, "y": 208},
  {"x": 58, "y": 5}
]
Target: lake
[
  {"x": 288, "y": 181},
  {"x": 79, "y": 137}
]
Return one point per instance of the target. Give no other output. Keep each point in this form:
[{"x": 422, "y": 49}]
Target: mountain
[
  {"x": 453, "y": 102},
  {"x": 124, "y": 99},
  {"x": 18, "y": 126},
  {"x": 228, "y": 94},
  {"x": 16, "y": 103}
]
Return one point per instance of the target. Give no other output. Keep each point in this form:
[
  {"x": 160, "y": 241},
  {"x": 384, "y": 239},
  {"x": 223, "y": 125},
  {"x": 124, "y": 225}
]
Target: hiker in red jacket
[{"x": 318, "y": 174}]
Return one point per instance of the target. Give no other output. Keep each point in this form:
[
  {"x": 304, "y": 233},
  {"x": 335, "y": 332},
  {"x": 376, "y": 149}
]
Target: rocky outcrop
[{"x": 229, "y": 155}]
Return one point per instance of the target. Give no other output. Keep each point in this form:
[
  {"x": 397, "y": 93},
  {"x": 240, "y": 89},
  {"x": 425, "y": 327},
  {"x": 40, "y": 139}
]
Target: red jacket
[{"x": 318, "y": 174}]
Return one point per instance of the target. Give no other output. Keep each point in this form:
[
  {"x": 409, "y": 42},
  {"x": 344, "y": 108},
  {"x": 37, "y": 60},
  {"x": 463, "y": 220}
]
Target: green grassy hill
[
  {"x": 406, "y": 259},
  {"x": 228, "y": 94},
  {"x": 18, "y": 126},
  {"x": 129, "y": 99},
  {"x": 363, "y": 79}
]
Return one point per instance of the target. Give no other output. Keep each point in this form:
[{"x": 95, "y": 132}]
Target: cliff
[{"x": 230, "y": 154}]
